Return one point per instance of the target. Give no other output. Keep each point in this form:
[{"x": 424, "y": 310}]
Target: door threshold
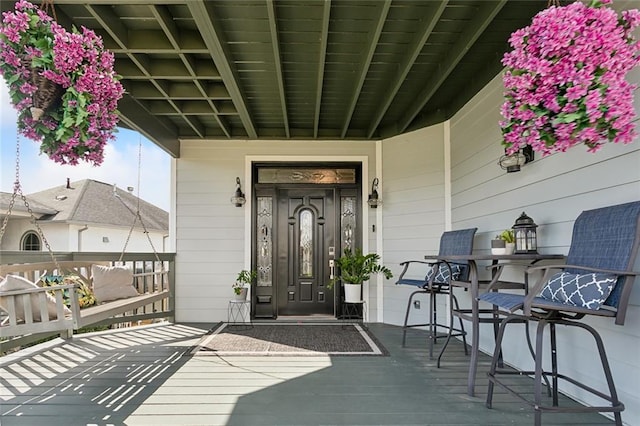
[{"x": 305, "y": 318}]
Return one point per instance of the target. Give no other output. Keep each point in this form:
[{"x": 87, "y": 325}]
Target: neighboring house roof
[
  {"x": 91, "y": 202},
  {"x": 20, "y": 209}
]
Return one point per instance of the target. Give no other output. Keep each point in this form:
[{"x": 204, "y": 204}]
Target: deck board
[{"x": 144, "y": 376}]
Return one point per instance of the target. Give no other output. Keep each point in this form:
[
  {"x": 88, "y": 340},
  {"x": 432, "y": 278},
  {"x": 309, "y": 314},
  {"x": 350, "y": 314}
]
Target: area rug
[{"x": 290, "y": 339}]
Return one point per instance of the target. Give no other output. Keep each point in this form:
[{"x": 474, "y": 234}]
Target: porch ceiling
[{"x": 299, "y": 69}]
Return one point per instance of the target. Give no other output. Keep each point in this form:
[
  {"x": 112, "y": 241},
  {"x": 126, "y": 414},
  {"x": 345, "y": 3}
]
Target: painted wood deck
[{"x": 143, "y": 376}]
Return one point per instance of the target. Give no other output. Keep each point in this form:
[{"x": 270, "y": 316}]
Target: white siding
[
  {"x": 211, "y": 232},
  {"x": 63, "y": 237},
  {"x": 414, "y": 209},
  {"x": 553, "y": 191}
]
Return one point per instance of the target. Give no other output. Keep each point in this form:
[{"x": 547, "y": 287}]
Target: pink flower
[
  {"x": 569, "y": 66},
  {"x": 77, "y": 61}
]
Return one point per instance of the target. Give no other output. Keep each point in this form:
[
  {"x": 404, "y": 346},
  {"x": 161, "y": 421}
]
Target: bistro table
[{"x": 473, "y": 285}]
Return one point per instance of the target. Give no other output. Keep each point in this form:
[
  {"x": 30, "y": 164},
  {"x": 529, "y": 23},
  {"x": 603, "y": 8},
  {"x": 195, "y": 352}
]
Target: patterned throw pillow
[
  {"x": 582, "y": 290},
  {"x": 441, "y": 272},
  {"x": 16, "y": 282}
]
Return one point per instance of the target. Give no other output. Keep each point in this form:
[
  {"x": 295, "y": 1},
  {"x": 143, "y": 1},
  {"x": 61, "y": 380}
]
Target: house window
[{"x": 31, "y": 242}]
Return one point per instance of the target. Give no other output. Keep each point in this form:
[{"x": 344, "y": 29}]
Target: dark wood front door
[{"x": 305, "y": 243}]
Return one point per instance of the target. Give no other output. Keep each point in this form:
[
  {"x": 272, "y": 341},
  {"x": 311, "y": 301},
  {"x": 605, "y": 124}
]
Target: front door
[
  {"x": 305, "y": 243},
  {"x": 304, "y": 215}
]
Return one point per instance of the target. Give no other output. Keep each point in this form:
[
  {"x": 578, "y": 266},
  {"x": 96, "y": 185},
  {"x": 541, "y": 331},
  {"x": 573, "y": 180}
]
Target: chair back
[
  {"x": 458, "y": 242},
  {"x": 608, "y": 238}
]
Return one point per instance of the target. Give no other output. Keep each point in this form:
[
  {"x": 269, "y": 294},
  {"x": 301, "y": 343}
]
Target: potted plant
[
  {"x": 62, "y": 83},
  {"x": 243, "y": 281},
  {"x": 355, "y": 269},
  {"x": 564, "y": 82},
  {"x": 503, "y": 243}
]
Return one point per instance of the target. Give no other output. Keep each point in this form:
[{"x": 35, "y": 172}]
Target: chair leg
[
  {"x": 433, "y": 325},
  {"x": 453, "y": 301},
  {"x": 496, "y": 359},
  {"x": 406, "y": 317},
  {"x": 606, "y": 369},
  {"x": 538, "y": 374},
  {"x": 554, "y": 363},
  {"x": 464, "y": 333}
]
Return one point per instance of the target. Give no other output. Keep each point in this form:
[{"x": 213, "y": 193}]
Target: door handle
[{"x": 332, "y": 268}]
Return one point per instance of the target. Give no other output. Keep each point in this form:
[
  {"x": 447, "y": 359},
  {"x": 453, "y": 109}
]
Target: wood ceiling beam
[
  {"x": 326, "y": 13},
  {"x": 273, "y": 29},
  {"x": 162, "y": 132},
  {"x": 413, "y": 51},
  {"x": 472, "y": 31},
  {"x": 212, "y": 36},
  {"x": 111, "y": 23},
  {"x": 165, "y": 20},
  {"x": 364, "y": 70}
]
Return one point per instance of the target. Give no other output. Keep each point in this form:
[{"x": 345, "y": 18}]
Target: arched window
[{"x": 31, "y": 241}]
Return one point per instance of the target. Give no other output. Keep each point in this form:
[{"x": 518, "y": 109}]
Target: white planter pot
[
  {"x": 241, "y": 296},
  {"x": 352, "y": 293}
]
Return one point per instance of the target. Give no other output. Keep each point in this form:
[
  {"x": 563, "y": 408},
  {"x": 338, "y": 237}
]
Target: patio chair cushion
[
  {"x": 16, "y": 282},
  {"x": 582, "y": 290},
  {"x": 112, "y": 283},
  {"x": 441, "y": 275}
]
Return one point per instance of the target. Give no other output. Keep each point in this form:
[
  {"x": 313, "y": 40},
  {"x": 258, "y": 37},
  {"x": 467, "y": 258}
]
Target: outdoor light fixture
[
  {"x": 374, "y": 200},
  {"x": 512, "y": 163},
  {"x": 238, "y": 198},
  {"x": 525, "y": 232}
]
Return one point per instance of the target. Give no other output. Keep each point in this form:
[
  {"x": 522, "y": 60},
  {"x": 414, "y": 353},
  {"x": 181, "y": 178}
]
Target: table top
[{"x": 489, "y": 256}]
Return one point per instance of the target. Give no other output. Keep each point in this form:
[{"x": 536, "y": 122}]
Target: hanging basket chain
[
  {"x": 139, "y": 217},
  {"x": 49, "y": 9},
  {"x": 17, "y": 190}
]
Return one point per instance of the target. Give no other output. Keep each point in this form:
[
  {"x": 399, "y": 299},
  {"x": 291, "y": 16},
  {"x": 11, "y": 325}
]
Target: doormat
[{"x": 299, "y": 339}]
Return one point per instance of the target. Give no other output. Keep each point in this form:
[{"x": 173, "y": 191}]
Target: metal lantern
[
  {"x": 524, "y": 230},
  {"x": 374, "y": 199},
  {"x": 238, "y": 199}
]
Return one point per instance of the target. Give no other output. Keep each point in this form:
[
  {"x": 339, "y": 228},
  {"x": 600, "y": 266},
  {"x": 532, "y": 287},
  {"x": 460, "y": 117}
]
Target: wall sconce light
[
  {"x": 512, "y": 163},
  {"x": 525, "y": 232},
  {"x": 238, "y": 198},
  {"x": 374, "y": 199}
]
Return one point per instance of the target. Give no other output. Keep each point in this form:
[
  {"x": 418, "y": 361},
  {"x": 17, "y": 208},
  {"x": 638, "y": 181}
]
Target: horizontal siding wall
[
  {"x": 413, "y": 210},
  {"x": 552, "y": 190},
  {"x": 210, "y": 231}
]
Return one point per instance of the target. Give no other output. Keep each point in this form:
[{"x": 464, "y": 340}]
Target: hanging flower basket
[
  {"x": 565, "y": 79},
  {"x": 62, "y": 84}
]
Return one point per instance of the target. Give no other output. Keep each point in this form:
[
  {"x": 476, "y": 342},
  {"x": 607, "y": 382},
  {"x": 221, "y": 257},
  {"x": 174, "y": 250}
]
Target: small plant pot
[
  {"x": 510, "y": 248},
  {"x": 240, "y": 296},
  {"x": 498, "y": 247},
  {"x": 352, "y": 293}
]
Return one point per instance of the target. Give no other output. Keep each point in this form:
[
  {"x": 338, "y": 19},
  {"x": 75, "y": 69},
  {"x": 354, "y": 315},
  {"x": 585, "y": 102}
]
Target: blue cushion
[
  {"x": 603, "y": 238},
  {"x": 442, "y": 275},
  {"x": 583, "y": 290},
  {"x": 508, "y": 301}
]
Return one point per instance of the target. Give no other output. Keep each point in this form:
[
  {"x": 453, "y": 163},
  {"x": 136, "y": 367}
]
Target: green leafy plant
[
  {"x": 356, "y": 267},
  {"x": 243, "y": 279},
  {"x": 62, "y": 83},
  {"x": 507, "y": 236}
]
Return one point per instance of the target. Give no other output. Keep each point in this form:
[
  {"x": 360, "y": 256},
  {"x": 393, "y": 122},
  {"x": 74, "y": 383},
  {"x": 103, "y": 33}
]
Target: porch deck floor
[{"x": 143, "y": 376}]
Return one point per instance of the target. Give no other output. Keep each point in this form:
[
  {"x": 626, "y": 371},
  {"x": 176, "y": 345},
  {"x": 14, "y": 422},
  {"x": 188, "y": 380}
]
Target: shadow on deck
[{"x": 145, "y": 376}]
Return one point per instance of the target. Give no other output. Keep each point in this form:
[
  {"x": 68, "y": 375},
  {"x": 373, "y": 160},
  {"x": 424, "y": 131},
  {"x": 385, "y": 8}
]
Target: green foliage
[
  {"x": 244, "y": 278},
  {"x": 356, "y": 267},
  {"x": 507, "y": 235}
]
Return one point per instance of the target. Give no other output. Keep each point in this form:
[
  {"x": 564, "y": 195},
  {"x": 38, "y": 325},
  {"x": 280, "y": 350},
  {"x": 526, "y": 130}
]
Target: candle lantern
[{"x": 524, "y": 230}]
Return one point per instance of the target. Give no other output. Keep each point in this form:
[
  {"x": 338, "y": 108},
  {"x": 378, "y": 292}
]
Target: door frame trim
[{"x": 248, "y": 190}]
